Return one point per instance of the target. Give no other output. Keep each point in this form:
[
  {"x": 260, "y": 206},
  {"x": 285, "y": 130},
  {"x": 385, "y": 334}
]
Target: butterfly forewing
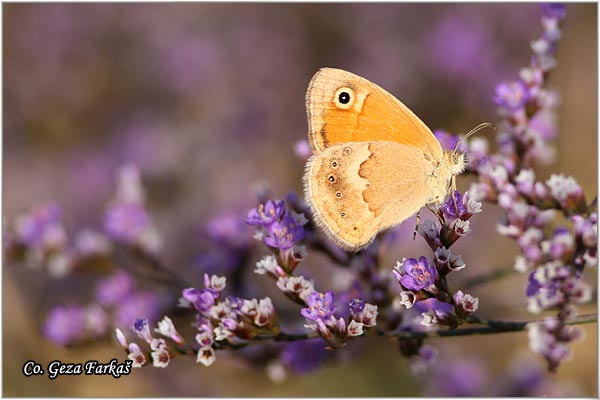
[{"x": 343, "y": 107}]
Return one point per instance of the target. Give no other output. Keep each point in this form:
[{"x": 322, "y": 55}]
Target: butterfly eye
[
  {"x": 455, "y": 158},
  {"x": 344, "y": 98}
]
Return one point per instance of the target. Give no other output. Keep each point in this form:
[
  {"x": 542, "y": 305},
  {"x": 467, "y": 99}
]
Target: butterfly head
[{"x": 455, "y": 161}]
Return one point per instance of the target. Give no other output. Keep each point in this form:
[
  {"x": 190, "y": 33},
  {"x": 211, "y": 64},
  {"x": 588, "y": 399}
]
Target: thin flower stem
[
  {"x": 492, "y": 326},
  {"x": 488, "y": 277},
  {"x": 280, "y": 337}
]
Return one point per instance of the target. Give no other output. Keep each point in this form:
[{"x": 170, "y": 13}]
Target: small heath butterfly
[{"x": 374, "y": 162}]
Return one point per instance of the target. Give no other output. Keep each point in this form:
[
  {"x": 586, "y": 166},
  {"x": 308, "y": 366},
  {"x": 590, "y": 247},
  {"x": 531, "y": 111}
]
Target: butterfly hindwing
[{"x": 358, "y": 189}]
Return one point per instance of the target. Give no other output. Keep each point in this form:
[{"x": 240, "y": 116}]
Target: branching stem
[{"x": 491, "y": 326}]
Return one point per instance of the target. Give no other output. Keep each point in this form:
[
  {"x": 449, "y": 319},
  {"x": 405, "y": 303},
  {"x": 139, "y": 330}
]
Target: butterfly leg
[
  {"x": 452, "y": 191},
  {"x": 417, "y": 219}
]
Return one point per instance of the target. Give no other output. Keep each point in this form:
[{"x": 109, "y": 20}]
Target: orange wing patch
[{"x": 343, "y": 107}]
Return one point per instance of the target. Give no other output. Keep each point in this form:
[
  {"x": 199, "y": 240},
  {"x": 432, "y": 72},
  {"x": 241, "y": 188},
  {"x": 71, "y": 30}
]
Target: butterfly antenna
[{"x": 471, "y": 132}]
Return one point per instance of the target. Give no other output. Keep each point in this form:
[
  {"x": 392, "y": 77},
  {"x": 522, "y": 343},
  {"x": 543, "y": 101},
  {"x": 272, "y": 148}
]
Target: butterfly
[{"x": 374, "y": 162}]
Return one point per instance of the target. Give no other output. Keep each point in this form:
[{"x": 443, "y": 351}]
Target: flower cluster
[
  {"x": 117, "y": 303},
  {"x": 221, "y": 321},
  {"x": 425, "y": 291},
  {"x": 39, "y": 239},
  {"x": 320, "y": 317},
  {"x": 453, "y": 215},
  {"x": 70, "y": 325},
  {"x": 160, "y": 351},
  {"x": 550, "y": 339},
  {"x": 554, "y": 258},
  {"x": 126, "y": 219},
  {"x": 227, "y": 242},
  {"x": 320, "y": 308},
  {"x": 425, "y": 278},
  {"x": 280, "y": 229}
]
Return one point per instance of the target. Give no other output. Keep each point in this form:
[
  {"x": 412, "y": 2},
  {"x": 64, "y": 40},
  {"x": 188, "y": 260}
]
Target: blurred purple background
[{"x": 208, "y": 101}]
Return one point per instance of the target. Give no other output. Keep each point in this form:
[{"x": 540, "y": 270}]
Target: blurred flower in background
[{"x": 137, "y": 137}]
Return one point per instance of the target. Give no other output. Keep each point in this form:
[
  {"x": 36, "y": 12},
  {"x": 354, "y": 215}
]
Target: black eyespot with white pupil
[
  {"x": 331, "y": 178},
  {"x": 344, "y": 98}
]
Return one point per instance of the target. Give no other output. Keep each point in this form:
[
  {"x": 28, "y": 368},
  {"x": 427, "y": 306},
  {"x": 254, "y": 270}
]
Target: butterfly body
[{"x": 374, "y": 162}]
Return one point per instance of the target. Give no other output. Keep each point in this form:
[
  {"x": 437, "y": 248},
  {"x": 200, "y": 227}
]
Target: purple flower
[
  {"x": 266, "y": 213},
  {"x": 142, "y": 329},
  {"x": 432, "y": 304},
  {"x": 367, "y": 316},
  {"x": 586, "y": 229},
  {"x": 554, "y": 10},
  {"x": 461, "y": 378},
  {"x": 448, "y": 140},
  {"x": 136, "y": 304},
  {"x": 235, "y": 303},
  {"x": 416, "y": 275},
  {"x": 126, "y": 221},
  {"x": 304, "y": 356},
  {"x": 465, "y": 304},
  {"x": 201, "y": 300},
  {"x": 356, "y": 306},
  {"x": 284, "y": 234},
  {"x": 113, "y": 289},
  {"x": 511, "y": 96},
  {"x": 320, "y": 306},
  {"x": 425, "y": 358},
  {"x": 89, "y": 243},
  {"x": 228, "y": 230},
  {"x": 543, "y": 294},
  {"x": 65, "y": 325},
  {"x": 549, "y": 339},
  {"x": 430, "y": 312},
  {"x": 453, "y": 208},
  {"x": 567, "y": 191},
  {"x": 561, "y": 245},
  {"x": 42, "y": 228},
  {"x": 302, "y": 149}
]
